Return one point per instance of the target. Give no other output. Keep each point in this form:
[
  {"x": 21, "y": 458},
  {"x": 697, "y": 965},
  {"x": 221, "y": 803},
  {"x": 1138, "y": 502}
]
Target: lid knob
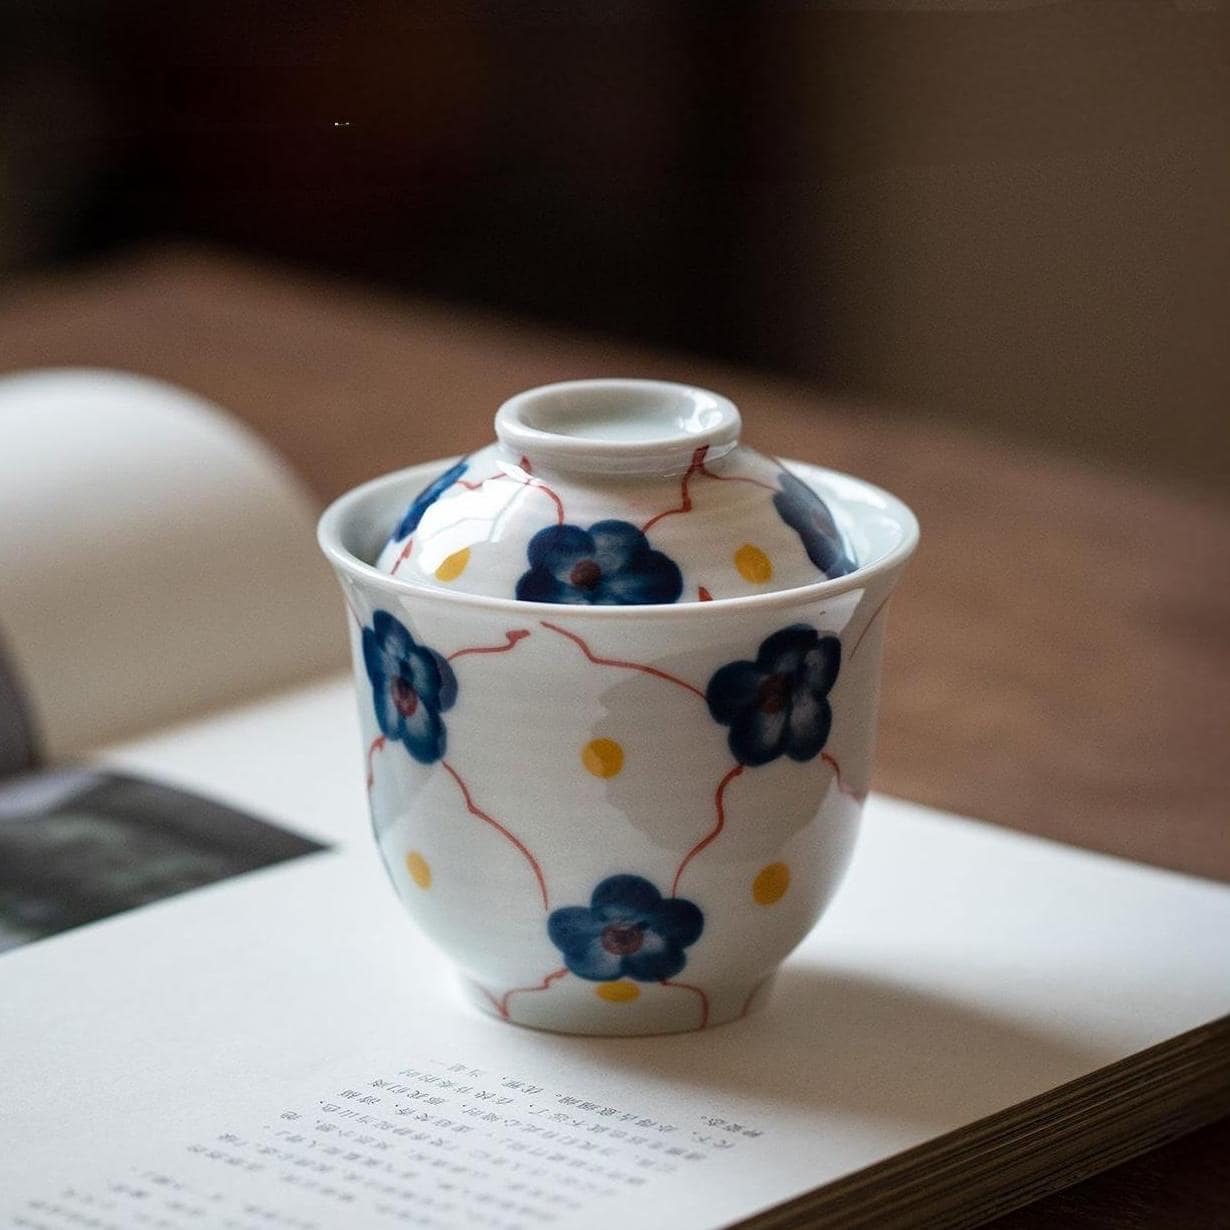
[{"x": 616, "y": 427}]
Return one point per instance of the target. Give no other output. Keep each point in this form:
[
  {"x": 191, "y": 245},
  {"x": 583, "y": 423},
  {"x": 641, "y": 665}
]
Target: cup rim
[{"x": 338, "y": 515}]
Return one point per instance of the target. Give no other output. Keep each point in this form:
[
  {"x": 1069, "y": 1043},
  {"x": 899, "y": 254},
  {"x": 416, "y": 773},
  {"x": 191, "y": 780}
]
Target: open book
[{"x": 214, "y": 1013}]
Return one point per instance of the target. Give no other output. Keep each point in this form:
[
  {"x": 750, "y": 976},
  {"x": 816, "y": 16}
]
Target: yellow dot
[
  {"x": 771, "y": 883},
  {"x": 753, "y": 564},
  {"x": 617, "y": 992},
  {"x": 420, "y": 873},
  {"x": 454, "y": 565},
  {"x": 603, "y": 757}
]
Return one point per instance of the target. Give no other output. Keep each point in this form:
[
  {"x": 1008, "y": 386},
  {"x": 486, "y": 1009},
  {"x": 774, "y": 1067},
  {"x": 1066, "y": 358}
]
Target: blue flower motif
[
  {"x": 629, "y": 930},
  {"x": 411, "y": 686},
  {"x": 425, "y": 499},
  {"x": 779, "y": 703},
  {"x": 610, "y": 564},
  {"x": 808, "y": 515}
]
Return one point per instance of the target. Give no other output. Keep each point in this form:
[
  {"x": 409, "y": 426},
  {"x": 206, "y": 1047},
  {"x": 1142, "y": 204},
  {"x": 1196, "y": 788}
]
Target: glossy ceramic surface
[
  {"x": 616, "y": 493},
  {"x": 617, "y": 819}
]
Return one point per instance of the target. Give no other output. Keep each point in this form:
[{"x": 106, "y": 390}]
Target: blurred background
[{"x": 1012, "y": 216}]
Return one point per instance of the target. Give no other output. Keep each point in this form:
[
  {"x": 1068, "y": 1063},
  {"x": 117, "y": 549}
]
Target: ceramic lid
[{"x": 614, "y": 493}]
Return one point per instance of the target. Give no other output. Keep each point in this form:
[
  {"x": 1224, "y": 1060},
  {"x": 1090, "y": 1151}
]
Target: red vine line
[
  {"x": 541, "y": 486},
  {"x": 377, "y": 746},
  {"x": 502, "y": 1004},
  {"x": 475, "y": 810},
  {"x": 685, "y": 497},
  {"x": 482, "y": 482},
  {"x": 514, "y": 635},
  {"x": 401, "y": 559},
  {"x": 849, "y": 791},
  {"x": 526, "y": 480},
  {"x": 736, "y": 478},
  {"x": 530, "y": 481},
  {"x": 867, "y": 627},
  {"x": 631, "y": 666},
  {"x": 491, "y": 999},
  {"x": 704, "y": 999},
  {"x": 720, "y": 806},
  {"x": 698, "y": 466}
]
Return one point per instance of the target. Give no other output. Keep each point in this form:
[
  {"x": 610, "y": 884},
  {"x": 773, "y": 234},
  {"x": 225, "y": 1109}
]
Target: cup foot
[{"x": 570, "y": 1005}]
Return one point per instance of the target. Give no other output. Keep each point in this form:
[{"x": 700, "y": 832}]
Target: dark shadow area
[
  {"x": 837, "y": 1040},
  {"x": 78, "y": 845}
]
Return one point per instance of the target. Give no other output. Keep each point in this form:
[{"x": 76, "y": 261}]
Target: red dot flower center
[
  {"x": 405, "y": 698},
  {"x": 585, "y": 574},
  {"x": 772, "y": 694},
  {"x": 623, "y": 939}
]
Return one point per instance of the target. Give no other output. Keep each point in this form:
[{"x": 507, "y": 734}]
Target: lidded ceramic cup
[{"x": 617, "y": 678}]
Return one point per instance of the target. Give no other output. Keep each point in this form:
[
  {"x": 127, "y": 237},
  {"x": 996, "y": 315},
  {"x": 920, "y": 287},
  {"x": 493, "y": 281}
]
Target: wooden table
[{"x": 1059, "y": 653}]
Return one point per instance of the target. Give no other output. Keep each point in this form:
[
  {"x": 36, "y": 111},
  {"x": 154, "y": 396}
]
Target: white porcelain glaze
[
  {"x": 617, "y": 819},
  {"x": 616, "y": 427},
  {"x": 616, "y": 492}
]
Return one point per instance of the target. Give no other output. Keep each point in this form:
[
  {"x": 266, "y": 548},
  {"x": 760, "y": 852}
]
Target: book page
[
  {"x": 285, "y": 1050},
  {"x": 79, "y": 844},
  {"x": 157, "y": 559}
]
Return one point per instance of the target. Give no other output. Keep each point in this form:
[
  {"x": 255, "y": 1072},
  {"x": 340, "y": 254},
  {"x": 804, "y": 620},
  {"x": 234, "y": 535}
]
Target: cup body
[{"x": 616, "y": 820}]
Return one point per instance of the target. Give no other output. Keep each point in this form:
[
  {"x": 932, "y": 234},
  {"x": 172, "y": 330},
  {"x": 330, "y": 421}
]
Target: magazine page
[
  {"x": 157, "y": 560},
  {"x": 283, "y": 1048},
  {"x": 81, "y": 843}
]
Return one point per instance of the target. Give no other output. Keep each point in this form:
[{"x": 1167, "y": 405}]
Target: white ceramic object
[
  {"x": 621, "y": 473},
  {"x": 617, "y": 818}
]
